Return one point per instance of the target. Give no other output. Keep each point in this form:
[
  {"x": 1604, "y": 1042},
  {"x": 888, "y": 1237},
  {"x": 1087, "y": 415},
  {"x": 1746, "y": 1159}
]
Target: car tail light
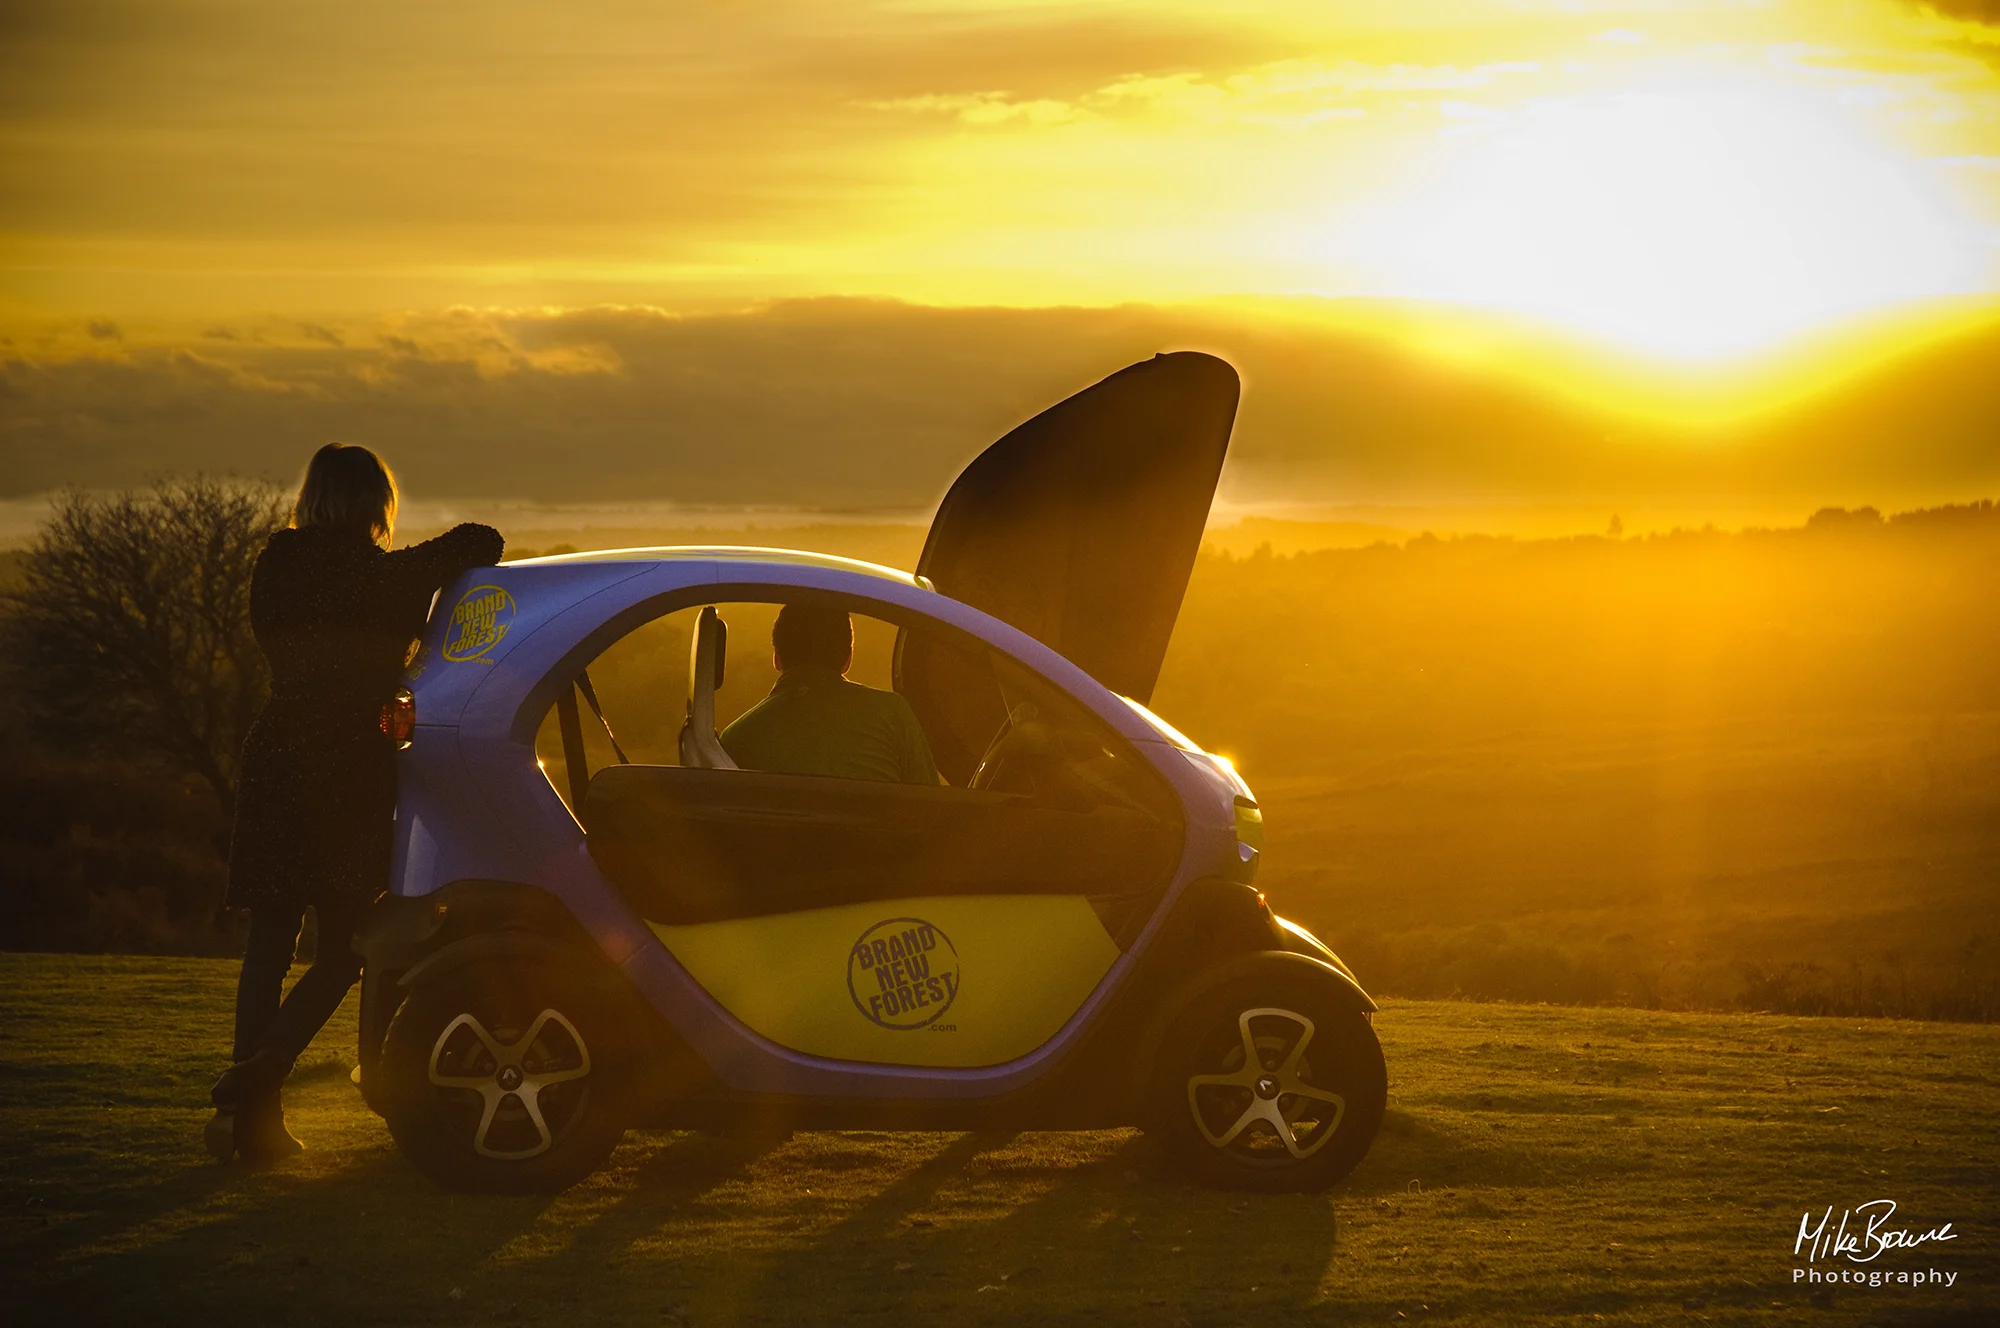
[{"x": 399, "y": 718}]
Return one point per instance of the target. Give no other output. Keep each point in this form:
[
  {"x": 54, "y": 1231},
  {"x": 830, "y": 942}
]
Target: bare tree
[{"x": 131, "y": 634}]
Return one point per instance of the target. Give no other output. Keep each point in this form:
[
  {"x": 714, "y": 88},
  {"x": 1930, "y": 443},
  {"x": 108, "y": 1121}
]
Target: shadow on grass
[
  {"x": 1413, "y": 1149},
  {"x": 368, "y": 1239},
  {"x": 695, "y": 1228},
  {"x": 986, "y": 1228},
  {"x": 232, "y": 1241}
]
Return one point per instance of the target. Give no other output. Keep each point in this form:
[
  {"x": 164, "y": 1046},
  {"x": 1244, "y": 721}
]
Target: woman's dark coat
[{"x": 336, "y": 617}]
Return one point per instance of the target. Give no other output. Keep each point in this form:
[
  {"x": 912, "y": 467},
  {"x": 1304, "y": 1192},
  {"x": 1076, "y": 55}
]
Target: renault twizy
[{"x": 1063, "y": 934}]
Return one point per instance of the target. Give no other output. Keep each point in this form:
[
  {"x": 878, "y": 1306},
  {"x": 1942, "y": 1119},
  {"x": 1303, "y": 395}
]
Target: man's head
[{"x": 812, "y": 634}]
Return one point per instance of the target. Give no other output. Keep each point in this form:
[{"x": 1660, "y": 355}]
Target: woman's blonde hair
[{"x": 347, "y": 487}]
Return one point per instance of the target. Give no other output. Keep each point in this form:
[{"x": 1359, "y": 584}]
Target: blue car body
[{"x": 475, "y": 804}]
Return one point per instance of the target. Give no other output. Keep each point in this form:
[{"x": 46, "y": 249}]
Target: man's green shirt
[{"x": 816, "y": 722}]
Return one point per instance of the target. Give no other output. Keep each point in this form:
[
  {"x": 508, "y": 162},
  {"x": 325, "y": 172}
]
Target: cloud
[
  {"x": 1970, "y": 26},
  {"x": 984, "y": 108},
  {"x": 829, "y": 404},
  {"x": 372, "y": 126},
  {"x": 315, "y": 157},
  {"x": 833, "y": 404},
  {"x": 1290, "y": 92},
  {"x": 1977, "y": 11}
]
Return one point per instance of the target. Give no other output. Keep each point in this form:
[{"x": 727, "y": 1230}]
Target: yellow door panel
[{"x": 950, "y": 981}]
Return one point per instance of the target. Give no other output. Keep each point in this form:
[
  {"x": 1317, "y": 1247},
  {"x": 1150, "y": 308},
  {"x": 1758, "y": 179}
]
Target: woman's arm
[{"x": 412, "y": 575}]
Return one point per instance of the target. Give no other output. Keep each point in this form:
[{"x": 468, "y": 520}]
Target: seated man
[{"x": 816, "y": 722}]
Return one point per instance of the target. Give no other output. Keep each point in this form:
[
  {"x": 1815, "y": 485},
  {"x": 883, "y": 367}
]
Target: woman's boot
[
  {"x": 261, "y": 1136},
  {"x": 249, "y": 1120},
  {"x": 219, "y": 1135}
]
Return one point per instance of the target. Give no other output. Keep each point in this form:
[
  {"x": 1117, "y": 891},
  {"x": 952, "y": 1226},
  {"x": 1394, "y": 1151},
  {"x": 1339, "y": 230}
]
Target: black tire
[
  {"x": 1219, "y": 1117},
  {"x": 532, "y": 1099}
]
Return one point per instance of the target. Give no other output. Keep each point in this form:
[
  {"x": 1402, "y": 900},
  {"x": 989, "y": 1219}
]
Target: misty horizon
[{"x": 1236, "y": 528}]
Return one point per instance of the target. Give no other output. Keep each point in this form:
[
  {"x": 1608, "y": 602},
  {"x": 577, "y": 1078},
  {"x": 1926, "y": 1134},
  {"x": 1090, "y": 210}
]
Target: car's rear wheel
[
  {"x": 504, "y": 1079},
  {"x": 1271, "y": 1085}
]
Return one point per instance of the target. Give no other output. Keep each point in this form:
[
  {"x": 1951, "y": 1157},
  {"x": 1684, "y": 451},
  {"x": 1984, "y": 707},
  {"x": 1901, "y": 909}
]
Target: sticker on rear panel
[
  {"x": 903, "y": 973},
  {"x": 478, "y": 623}
]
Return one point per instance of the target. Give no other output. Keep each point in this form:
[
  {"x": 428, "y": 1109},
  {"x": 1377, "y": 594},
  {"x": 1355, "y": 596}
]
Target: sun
[{"x": 1696, "y": 215}]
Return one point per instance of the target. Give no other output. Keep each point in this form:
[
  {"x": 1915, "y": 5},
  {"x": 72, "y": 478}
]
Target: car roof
[{"x": 726, "y": 553}]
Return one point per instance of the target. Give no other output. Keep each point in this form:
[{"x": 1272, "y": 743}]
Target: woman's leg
[
  {"x": 315, "y": 996},
  {"x": 258, "y": 1130},
  {"x": 267, "y": 957}
]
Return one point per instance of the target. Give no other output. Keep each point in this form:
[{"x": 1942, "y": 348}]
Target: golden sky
[{"x": 1687, "y": 181}]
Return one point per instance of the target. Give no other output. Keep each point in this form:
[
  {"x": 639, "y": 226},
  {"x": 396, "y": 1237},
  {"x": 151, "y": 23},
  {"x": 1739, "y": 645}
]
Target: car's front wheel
[
  {"x": 1274, "y": 1085},
  {"x": 504, "y": 1077}
]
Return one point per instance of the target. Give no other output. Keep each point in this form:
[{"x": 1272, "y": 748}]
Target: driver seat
[{"x": 700, "y": 748}]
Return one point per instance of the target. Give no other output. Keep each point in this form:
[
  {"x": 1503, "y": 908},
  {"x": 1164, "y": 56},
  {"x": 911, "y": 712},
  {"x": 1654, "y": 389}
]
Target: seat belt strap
[
  {"x": 572, "y": 745},
  {"x": 590, "y": 695}
]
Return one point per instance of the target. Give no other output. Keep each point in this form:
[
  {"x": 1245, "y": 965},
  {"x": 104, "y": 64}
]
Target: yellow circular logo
[
  {"x": 478, "y": 622},
  {"x": 903, "y": 973}
]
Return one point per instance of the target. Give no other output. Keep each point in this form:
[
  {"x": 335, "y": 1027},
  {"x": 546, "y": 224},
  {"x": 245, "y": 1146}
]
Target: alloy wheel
[
  {"x": 530, "y": 1085},
  {"x": 1262, "y": 1107}
]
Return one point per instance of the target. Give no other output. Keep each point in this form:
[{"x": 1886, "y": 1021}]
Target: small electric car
[{"x": 1062, "y": 935}]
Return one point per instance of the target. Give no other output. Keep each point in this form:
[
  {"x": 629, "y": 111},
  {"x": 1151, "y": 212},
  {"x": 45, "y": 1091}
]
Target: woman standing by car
[{"x": 336, "y": 614}]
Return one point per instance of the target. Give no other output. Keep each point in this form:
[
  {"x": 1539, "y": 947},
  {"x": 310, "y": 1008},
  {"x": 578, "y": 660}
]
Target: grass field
[
  {"x": 1776, "y": 865},
  {"x": 1539, "y": 1164}
]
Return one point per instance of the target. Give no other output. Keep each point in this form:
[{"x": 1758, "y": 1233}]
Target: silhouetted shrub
[{"x": 129, "y": 635}]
